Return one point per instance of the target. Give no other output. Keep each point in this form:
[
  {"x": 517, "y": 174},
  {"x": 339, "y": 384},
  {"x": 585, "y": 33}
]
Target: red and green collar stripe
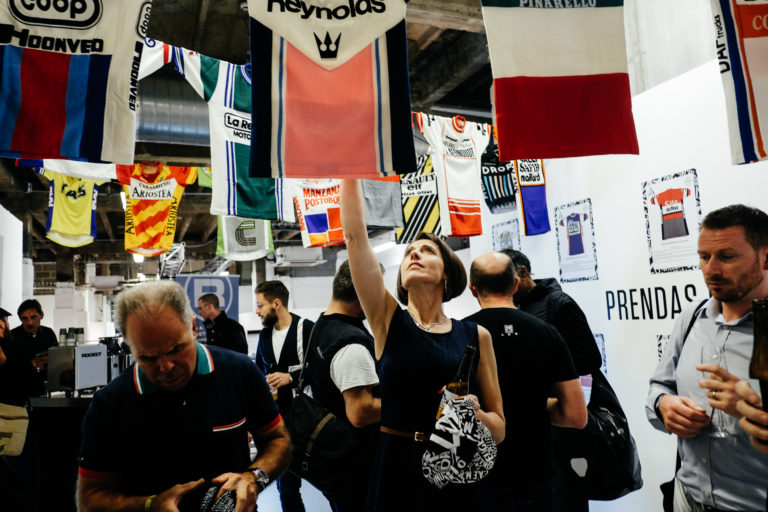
[{"x": 204, "y": 366}]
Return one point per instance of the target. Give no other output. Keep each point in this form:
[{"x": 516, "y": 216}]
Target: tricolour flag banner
[
  {"x": 741, "y": 41},
  {"x": 561, "y": 87}
]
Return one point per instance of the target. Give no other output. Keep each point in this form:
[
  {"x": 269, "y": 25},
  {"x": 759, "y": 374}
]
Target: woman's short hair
[
  {"x": 150, "y": 297},
  {"x": 454, "y": 270}
]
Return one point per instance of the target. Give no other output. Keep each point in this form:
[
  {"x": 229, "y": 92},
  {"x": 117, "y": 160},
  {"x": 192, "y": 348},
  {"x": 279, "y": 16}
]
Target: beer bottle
[
  {"x": 758, "y": 366},
  {"x": 459, "y": 385}
]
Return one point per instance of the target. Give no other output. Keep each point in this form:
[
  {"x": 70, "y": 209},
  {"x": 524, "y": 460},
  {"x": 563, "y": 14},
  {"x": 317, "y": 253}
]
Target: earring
[{"x": 445, "y": 293}]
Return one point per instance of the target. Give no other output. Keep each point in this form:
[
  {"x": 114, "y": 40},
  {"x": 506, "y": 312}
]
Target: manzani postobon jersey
[
  {"x": 71, "y": 209},
  {"x": 332, "y": 98},
  {"x": 421, "y": 208},
  {"x": 69, "y": 78},
  {"x": 242, "y": 239},
  {"x": 318, "y": 211},
  {"x": 741, "y": 32},
  {"x": 226, "y": 87},
  {"x": 153, "y": 193},
  {"x": 458, "y": 146},
  {"x": 498, "y": 180}
]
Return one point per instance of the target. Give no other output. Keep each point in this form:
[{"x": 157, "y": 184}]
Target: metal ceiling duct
[{"x": 169, "y": 112}]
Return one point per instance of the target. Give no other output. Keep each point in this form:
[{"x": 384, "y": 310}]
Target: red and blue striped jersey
[{"x": 68, "y": 82}]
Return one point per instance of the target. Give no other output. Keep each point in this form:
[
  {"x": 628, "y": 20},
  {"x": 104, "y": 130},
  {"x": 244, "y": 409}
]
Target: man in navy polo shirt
[{"x": 179, "y": 417}]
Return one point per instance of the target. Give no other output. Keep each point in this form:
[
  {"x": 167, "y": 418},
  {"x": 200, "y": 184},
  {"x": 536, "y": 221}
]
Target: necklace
[{"x": 427, "y": 327}]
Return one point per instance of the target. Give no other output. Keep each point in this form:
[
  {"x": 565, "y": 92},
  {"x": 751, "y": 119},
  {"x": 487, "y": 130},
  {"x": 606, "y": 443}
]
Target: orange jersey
[{"x": 153, "y": 193}]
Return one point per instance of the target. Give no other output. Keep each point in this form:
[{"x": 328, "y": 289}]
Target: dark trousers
[
  {"x": 568, "y": 489},
  {"x": 20, "y": 478},
  {"x": 289, "y": 487}
]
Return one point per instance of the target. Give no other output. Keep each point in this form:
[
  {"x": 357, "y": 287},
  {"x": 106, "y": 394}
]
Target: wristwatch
[{"x": 262, "y": 478}]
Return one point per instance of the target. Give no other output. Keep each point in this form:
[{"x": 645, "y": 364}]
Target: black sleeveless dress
[{"x": 413, "y": 369}]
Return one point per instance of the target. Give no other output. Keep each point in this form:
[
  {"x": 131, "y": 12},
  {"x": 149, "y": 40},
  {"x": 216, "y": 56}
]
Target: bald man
[{"x": 532, "y": 353}]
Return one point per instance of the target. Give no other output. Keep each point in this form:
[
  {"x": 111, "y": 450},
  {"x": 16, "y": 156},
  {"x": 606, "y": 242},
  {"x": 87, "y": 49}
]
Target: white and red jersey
[{"x": 458, "y": 146}]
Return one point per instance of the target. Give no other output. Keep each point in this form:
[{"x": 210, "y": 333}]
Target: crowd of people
[{"x": 187, "y": 412}]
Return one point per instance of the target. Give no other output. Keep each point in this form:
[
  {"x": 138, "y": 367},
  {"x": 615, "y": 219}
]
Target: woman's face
[
  {"x": 422, "y": 263},
  {"x": 3, "y": 327}
]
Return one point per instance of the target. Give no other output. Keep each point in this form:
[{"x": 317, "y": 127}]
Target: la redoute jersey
[
  {"x": 69, "y": 74},
  {"x": 71, "y": 209},
  {"x": 226, "y": 87},
  {"x": 332, "y": 97},
  {"x": 153, "y": 193},
  {"x": 458, "y": 146}
]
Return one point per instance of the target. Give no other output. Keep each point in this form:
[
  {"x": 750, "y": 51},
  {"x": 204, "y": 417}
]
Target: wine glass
[{"x": 715, "y": 355}]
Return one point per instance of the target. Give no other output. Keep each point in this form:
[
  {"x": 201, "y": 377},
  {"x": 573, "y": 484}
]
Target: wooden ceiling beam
[
  {"x": 451, "y": 14},
  {"x": 195, "y": 203},
  {"x": 208, "y": 230},
  {"x": 462, "y": 60},
  {"x": 104, "y": 216},
  {"x": 181, "y": 232}
]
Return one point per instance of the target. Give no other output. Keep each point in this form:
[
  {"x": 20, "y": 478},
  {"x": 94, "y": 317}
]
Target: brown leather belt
[{"x": 419, "y": 437}]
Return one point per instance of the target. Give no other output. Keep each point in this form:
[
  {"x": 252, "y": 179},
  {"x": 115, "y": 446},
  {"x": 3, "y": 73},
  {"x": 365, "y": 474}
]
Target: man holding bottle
[
  {"x": 531, "y": 351},
  {"x": 692, "y": 392}
]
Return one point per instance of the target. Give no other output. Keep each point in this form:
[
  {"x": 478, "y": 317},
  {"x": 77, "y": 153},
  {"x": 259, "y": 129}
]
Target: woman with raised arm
[{"x": 419, "y": 349}]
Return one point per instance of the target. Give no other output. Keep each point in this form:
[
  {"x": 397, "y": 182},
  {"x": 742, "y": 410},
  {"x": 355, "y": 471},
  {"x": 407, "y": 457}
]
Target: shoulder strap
[
  {"x": 300, "y": 386},
  {"x": 300, "y": 340},
  {"x": 693, "y": 319}
]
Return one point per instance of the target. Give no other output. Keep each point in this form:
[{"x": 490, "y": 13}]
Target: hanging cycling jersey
[
  {"x": 69, "y": 78},
  {"x": 153, "y": 193},
  {"x": 332, "y": 97}
]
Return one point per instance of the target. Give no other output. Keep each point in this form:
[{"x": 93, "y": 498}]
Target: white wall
[
  {"x": 11, "y": 239},
  {"x": 681, "y": 124}
]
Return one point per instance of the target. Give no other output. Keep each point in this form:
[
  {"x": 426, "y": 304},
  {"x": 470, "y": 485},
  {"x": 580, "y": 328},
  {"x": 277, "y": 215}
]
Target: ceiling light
[{"x": 138, "y": 258}]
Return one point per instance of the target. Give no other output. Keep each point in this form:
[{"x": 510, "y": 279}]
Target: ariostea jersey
[
  {"x": 332, "y": 99},
  {"x": 226, "y": 87},
  {"x": 69, "y": 74},
  {"x": 71, "y": 209},
  {"x": 153, "y": 193}
]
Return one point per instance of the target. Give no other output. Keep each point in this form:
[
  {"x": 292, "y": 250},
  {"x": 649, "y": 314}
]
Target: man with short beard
[
  {"x": 720, "y": 470},
  {"x": 279, "y": 355}
]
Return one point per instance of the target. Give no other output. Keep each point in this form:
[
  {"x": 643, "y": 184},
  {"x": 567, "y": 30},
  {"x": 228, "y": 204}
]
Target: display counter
[{"x": 55, "y": 423}]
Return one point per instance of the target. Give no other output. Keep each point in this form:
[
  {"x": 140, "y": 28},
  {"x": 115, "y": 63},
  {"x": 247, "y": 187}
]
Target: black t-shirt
[
  {"x": 530, "y": 357},
  {"x": 33, "y": 345},
  {"x": 17, "y": 376},
  {"x": 226, "y": 333}
]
